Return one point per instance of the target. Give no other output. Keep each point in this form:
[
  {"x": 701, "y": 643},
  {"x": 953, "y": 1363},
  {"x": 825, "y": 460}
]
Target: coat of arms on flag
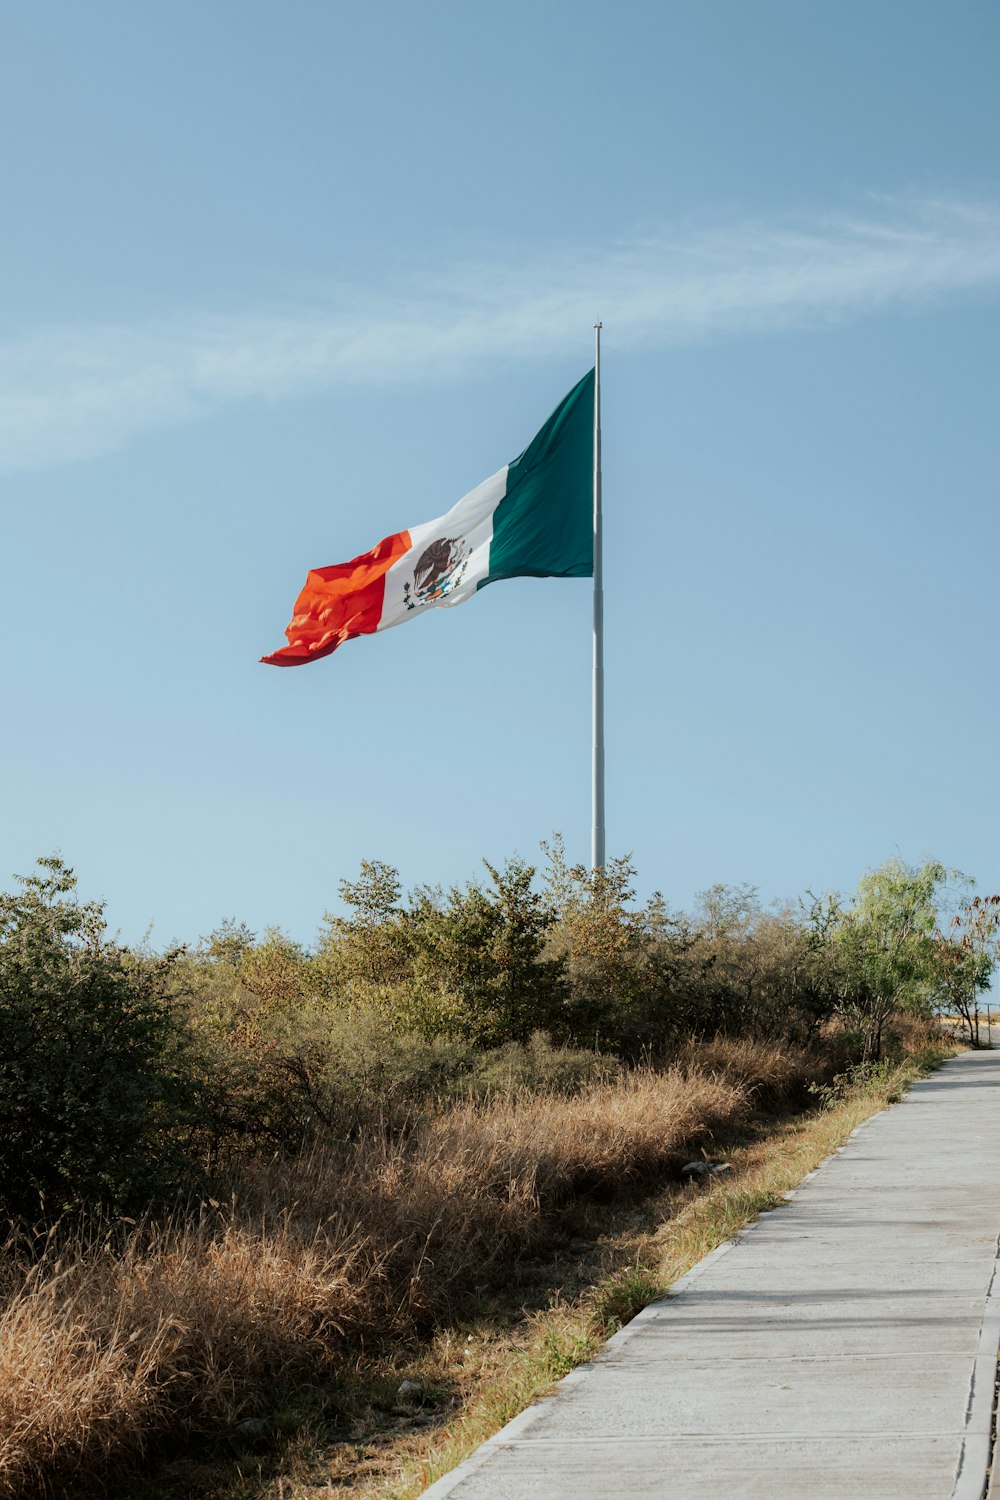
[{"x": 439, "y": 569}]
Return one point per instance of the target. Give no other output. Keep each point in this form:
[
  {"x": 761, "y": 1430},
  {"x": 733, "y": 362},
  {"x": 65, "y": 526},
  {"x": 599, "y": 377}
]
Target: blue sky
[{"x": 279, "y": 280}]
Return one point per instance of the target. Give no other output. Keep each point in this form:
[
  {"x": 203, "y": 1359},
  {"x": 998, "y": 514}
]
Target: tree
[
  {"x": 261, "y": 1021},
  {"x": 371, "y": 946},
  {"x": 967, "y": 955},
  {"x": 626, "y": 964},
  {"x": 762, "y": 975},
  {"x": 881, "y": 946},
  {"x": 482, "y": 951},
  {"x": 274, "y": 971},
  {"x": 228, "y": 943},
  {"x": 93, "y": 1084}
]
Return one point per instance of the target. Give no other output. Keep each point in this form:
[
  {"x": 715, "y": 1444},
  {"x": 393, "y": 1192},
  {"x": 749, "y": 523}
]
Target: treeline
[
  {"x": 247, "y": 1179},
  {"x": 127, "y": 1075}
]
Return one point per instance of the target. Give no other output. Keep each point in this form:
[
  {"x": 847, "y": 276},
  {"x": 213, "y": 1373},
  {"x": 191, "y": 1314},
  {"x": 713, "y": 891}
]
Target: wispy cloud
[{"x": 75, "y": 391}]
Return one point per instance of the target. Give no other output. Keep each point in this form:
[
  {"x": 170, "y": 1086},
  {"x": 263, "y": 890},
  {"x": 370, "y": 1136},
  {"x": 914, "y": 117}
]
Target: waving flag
[{"x": 533, "y": 518}]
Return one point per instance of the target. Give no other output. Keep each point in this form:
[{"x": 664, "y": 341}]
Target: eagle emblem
[{"x": 440, "y": 568}]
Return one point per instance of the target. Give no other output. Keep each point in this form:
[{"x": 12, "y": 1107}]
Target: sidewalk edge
[{"x": 973, "y": 1478}]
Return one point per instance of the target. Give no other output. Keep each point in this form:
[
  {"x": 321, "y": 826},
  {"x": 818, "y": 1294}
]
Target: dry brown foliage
[
  {"x": 772, "y": 1073},
  {"x": 110, "y": 1342}
]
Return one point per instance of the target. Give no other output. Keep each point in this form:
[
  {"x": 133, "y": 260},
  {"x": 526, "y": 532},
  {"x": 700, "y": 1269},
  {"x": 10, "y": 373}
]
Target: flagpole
[{"x": 597, "y": 828}]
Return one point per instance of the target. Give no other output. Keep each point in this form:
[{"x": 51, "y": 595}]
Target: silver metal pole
[{"x": 597, "y": 832}]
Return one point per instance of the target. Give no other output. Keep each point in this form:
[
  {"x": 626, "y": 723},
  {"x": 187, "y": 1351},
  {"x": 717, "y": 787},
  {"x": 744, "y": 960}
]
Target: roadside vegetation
[{"x": 256, "y": 1195}]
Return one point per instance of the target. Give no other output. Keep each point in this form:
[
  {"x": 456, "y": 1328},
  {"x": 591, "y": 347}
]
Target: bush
[
  {"x": 275, "y": 1073},
  {"x": 537, "y": 1067},
  {"x": 758, "y": 973},
  {"x": 94, "y": 1090},
  {"x": 629, "y": 970}
]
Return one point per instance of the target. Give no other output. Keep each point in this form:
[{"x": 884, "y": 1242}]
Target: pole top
[{"x": 598, "y": 325}]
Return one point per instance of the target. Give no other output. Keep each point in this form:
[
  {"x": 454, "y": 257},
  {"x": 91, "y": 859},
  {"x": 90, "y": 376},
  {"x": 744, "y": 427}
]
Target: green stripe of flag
[{"x": 543, "y": 527}]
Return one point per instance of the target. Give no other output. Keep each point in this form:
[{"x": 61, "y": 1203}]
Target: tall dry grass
[
  {"x": 114, "y": 1340},
  {"x": 771, "y": 1072}
]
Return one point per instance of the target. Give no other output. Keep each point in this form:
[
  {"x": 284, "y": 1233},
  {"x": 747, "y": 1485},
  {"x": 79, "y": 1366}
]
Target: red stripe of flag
[{"x": 338, "y": 603}]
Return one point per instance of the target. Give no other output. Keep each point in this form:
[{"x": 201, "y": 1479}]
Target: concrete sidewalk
[{"x": 844, "y": 1345}]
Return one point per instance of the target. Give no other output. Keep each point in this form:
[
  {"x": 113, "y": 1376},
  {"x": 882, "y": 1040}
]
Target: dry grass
[
  {"x": 121, "y": 1344},
  {"x": 103, "y": 1345},
  {"x": 110, "y": 1343},
  {"x": 771, "y": 1073}
]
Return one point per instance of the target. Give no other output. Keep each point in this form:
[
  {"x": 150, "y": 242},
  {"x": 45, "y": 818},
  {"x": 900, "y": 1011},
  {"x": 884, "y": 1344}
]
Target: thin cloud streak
[{"x": 77, "y": 391}]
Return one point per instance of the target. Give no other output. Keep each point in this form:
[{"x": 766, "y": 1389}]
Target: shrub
[
  {"x": 537, "y": 1067},
  {"x": 880, "y": 949},
  {"x": 758, "y": 972},
  {"x": 94, "y": 1089},
  {"x": 483, "y": 950},
  {"x": 628, "y": 968}
]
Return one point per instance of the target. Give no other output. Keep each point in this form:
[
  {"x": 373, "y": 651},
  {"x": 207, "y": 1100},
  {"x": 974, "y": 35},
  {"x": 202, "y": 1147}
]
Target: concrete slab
[
  {"x": 843, "y": 1349},
  {"x": 743, "y": 1470},
  {"x": 846, "y": 1276},
  {"x": 793, "y": 1398},
  {"x": 804, "y": 1331}
]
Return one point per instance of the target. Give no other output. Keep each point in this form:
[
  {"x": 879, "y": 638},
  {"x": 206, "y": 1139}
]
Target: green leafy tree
[
  {"x": 228, "y": 944},
  {"x": 762, "y": 975},
  {"x": 94, "y": 1088},
  {"x": 262, "y": 1026},
  {"x": 274, "y": 971},
  {"x": 479, "y": 961},
  {"x": 627, "y": 965},
  {"x": 371, "y": 945},
  {"x": 881, "y": 947}
]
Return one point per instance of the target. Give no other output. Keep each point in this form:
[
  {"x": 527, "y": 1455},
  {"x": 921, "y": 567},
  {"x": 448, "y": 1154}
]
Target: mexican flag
[{"x": 533, "y": 518}]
